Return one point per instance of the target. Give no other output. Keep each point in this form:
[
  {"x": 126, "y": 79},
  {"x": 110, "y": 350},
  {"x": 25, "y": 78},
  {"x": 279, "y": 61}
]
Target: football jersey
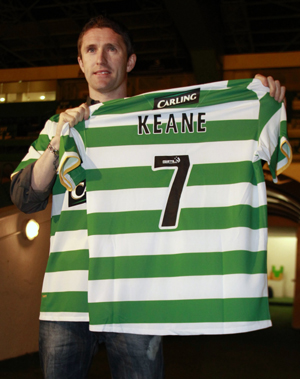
[
  {"x": 163, "y": 229},
  {"x": 176, "y": 207}
]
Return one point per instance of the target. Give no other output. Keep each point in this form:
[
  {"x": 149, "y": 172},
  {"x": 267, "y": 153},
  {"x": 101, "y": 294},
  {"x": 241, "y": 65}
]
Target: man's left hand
[{"x": 276, "y": 89}]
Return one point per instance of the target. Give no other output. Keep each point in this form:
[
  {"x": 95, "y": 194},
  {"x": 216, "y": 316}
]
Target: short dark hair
[{"x": 103, "y": 21}]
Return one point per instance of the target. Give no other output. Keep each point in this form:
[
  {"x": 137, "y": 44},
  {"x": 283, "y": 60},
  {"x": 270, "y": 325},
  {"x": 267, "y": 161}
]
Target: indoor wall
[{"x": 22, "y": 267}]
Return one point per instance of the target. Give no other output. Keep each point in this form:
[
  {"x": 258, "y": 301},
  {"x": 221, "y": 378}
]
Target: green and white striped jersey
[{"x": 172, "y": 236}]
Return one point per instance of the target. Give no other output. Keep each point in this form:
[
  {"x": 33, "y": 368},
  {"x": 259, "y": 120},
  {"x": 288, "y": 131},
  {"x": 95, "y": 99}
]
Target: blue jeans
[{"x": 67, "y": 349}]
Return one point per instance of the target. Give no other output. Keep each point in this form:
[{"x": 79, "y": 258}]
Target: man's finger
[
  {"x": 86, "y": 111},
  {"x": 262, "y": 78},
  {"x": 272, "y": 86},
  {"x": 282, "y": 94}
]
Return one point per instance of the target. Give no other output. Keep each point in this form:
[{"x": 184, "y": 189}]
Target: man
[{"x": 105, "y": 55}]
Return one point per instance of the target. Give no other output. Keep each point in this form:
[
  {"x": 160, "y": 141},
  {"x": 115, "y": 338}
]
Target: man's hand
[
  {"x": 72, "y": 116},
  {"x": 46, "y": 166},
  {"x": 276, "y": 89}
]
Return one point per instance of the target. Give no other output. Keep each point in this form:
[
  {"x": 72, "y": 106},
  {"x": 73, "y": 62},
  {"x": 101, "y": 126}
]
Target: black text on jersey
[{"x": 154, "y": 125}]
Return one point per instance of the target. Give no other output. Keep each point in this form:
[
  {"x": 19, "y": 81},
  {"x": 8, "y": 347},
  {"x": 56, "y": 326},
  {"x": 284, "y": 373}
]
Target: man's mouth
[{"x": 102, "y": 72}]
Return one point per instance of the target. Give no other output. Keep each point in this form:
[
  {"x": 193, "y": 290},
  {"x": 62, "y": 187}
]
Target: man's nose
[{"x": 101, "y": 56}]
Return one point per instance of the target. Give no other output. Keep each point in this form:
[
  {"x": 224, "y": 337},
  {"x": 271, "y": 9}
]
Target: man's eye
[{"x": 91, "y": 50}]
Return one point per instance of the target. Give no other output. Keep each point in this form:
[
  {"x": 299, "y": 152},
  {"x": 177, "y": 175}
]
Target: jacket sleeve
[{"x": 22, "y": 194}]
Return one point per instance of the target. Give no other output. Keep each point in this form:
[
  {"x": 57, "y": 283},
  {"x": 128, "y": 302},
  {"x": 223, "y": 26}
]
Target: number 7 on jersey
[{"x": 180, "y": 164}]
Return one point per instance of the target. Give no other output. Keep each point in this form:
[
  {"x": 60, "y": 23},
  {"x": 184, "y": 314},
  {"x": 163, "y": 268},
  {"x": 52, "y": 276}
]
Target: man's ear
[
  {"x": 131, "y": 62},
  {"x": 80, "y": 64}
]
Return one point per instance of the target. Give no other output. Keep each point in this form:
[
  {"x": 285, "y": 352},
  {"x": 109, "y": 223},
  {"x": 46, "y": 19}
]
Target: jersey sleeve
[
  {"x": 38, "y": 147},
  {"x": 273, "y": 145}
]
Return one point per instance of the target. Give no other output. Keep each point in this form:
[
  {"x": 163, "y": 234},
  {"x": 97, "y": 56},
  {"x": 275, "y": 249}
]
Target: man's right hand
[
  {"x": 72, "y": 116},
  {"x": 45, "y": 167}
]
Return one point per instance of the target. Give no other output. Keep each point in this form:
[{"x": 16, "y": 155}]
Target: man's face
[{"x": 104, "y": 63}]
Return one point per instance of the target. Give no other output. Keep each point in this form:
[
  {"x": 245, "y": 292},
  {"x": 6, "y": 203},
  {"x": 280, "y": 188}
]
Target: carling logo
[{"x": 190, "y": 97}]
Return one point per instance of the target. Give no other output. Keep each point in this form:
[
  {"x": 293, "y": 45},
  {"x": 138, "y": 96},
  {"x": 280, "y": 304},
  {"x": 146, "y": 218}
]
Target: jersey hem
[
  {"x": 190, "y": 329},
  {"x": 64, "y": 316}
]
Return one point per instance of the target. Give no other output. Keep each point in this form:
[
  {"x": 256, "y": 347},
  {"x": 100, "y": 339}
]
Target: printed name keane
[{"x": 187, "y": 123}]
